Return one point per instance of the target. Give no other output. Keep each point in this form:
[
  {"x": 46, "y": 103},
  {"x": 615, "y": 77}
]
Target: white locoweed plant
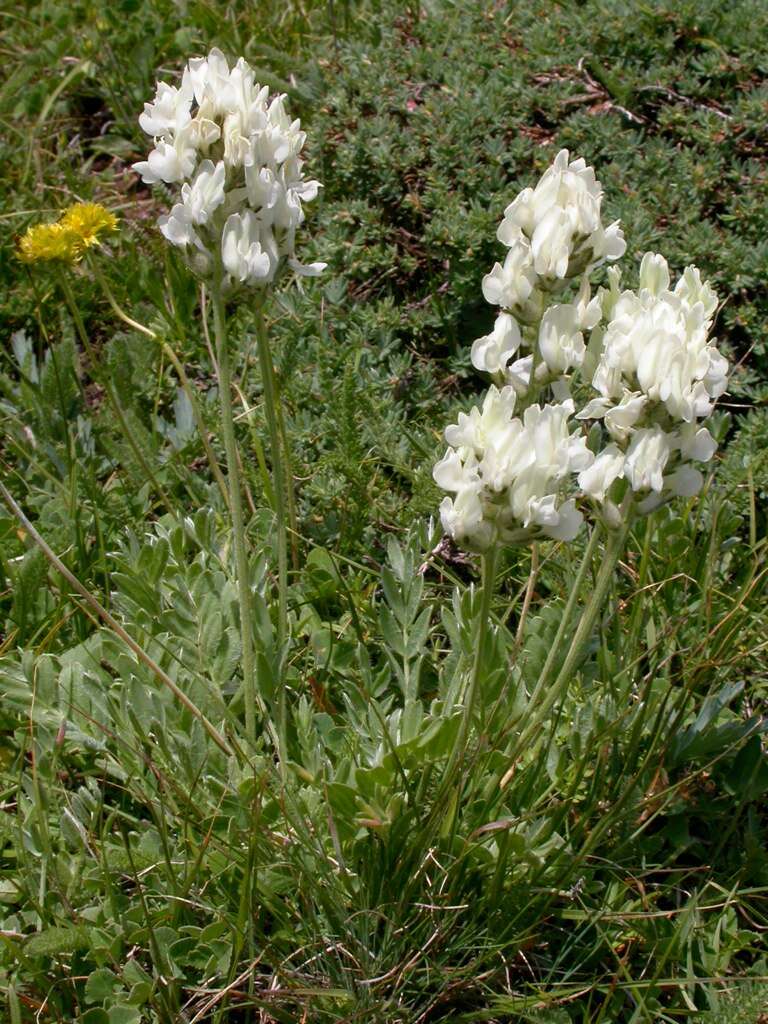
[
  {"x": 455, "y": 800},
  {"x": 235, "y": 155},
  {"x": 597, "y": 404}
]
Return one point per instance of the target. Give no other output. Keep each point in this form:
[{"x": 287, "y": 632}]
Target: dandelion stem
[
  {"x": 236, "y": 508},
  {"x": 179, "y": 368},
  {"x": 114, "y": 401}
]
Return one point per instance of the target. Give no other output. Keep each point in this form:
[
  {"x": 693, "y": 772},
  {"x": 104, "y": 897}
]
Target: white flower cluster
[
  {"x": 236, "y": 155},
  {"x": 646, "y": 353},
  {"x": 658, "y": 376},
  {"x": 505, "y": 472},
  {"x": 553, "y": 232}
]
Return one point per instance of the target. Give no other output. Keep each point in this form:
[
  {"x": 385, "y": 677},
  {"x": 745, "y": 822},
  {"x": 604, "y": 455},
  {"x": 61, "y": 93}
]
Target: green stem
[
  {"x": 486, "y": 598},
  {"x": 613, "y": 550},
  {"x": 69, "y": 298},
  {"x": 290, "y": 490},
  {"x": 570, "y": 605},
  {"x": 532, "y": 576},
  {"x": 638, "y": 607},
  {"x": 183, "y": 379},
  {"x": 448, "y": 798},
  {"x": 236, "y": 508},
  {"x": 278, "y": 474}
]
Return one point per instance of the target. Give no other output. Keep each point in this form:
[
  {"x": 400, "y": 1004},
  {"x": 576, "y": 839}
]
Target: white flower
[
  {"x": 206, "y": 193},
  {"x": 450, "y": 472},
  {"x": 512, "y": 283},
  {"x": 282, "y": 137},
  {"x": 657, "y": 342},
  {"x": 519, "y": 217},
  {"x": 551, "y": 243},
  {"x": 170, "y": 111},
  {"x": 715, "y": 380},
  {"x": 561, "y": 343},
  {"x": 248, "y": 252},
  {"x": 596, "y": 479},
  {"x": 654, "y": 273},
  {"x": 177, "y": 228},
  {"x": 595, "y": 409},
  {"x": 306, "y": 269},
  {"x": 696, "y": 443},
  {"x": 648, "y": 355},
  {"x": 237, "y": 158},
  {"x": 685, "y": 482},
  {"x": 462, "y": 518},
  {"x": 607, "y": 244},
  {"x": 210, "y": 81},
  {"x": 559, "y": 520},
  {"x": 518, "y": 374},
  {"x": 169, "y": 161},
  {"x": 589, "y": 311},
  {"x": 609, "y": 296},
  {"x": 646, "y": 458},
  {"x": 691, "y": 290},
  {"x": 561, "y": 218},
  {"x": 480, "y": 428},
  {"x": 508, "y": 474},
  {"x": 567, "y": 523},
  {"x": 553, "y": 445},
  {"x": 492, "y": 352},
  {"x": 620, "y": 419}
]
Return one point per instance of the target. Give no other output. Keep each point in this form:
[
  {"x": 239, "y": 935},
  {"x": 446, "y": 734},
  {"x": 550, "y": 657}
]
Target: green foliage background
[{"x": 424, "y": 121}]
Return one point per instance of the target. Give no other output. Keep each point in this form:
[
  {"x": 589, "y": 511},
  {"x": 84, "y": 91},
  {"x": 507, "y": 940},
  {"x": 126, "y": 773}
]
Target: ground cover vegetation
[{"x": 541, "y": 799}]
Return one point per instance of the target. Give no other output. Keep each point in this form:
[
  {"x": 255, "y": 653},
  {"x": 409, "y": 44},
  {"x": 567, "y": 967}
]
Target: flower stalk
[
  {"x": 279, "y": 491},
  {"x": 545, "y": 696},
  {"x": 236, "y": 155},
  {"x": 475, "y": 680},
  {"x": 278, "y": 471},
  {"x": 235, "y": 507}
]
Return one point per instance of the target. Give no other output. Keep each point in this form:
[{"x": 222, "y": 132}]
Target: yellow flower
[
  {"x": 86, "y": 221},
  {"x": 77, "y": 230},
  {"x": 48, "y": 242}
]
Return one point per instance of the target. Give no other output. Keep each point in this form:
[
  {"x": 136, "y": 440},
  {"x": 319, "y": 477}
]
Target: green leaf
[
  {"x": 123, "y": 1013},
  {"x": 96, "y": 1015},
  {"x": 748, "y": 777},
  {"x": 55, "y": 941},
  {"x": 100, "y": 985}
]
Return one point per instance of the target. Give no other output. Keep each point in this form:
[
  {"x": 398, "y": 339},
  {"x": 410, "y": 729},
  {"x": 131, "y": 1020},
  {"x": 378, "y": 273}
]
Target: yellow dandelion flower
[
  {"x": 87, "y": 221},
  {"x": 48, "y": 242}
]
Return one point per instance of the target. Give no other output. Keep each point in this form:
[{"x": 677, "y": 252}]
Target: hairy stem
[
  {"x": 541, "y": 707},
  {"x": 290, "y": 490},
  {"x": 484, "y": 615},
  {"x": 236, "y": 508},
  {"x": 278, "y": 485}
]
